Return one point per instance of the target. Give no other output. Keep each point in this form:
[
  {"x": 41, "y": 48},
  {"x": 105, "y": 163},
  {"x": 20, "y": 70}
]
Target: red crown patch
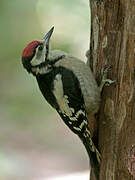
[{"x": 29, "y": 50}]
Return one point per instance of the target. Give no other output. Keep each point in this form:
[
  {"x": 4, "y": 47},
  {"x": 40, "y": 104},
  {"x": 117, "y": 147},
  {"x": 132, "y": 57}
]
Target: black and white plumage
[{"x": 68, "y": 85}]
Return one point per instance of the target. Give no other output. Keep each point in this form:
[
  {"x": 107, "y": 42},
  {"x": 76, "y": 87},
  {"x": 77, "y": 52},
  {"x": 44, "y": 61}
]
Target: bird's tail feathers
[{"x": 94, "y": 155}]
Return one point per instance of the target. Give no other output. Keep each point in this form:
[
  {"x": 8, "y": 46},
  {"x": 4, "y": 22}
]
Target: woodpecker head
[{"x": 35, "y": 55}]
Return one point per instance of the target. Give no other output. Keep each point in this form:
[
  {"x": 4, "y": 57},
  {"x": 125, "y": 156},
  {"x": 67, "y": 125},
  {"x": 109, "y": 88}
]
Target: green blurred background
[{"x": 34, "y": 142}]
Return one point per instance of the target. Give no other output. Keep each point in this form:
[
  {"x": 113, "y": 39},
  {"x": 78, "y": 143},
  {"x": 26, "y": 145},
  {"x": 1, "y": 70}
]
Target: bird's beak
[
  {"x": 47, "y": 37},
  {"x": 46, "y": 40}
]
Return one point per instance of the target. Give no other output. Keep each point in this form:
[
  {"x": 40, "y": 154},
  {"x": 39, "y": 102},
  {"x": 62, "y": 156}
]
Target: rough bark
[{"x": 113, "y": 44}]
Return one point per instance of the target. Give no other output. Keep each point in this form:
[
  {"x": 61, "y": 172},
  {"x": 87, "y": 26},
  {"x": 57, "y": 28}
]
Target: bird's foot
[{"x": 105, "y": 81}]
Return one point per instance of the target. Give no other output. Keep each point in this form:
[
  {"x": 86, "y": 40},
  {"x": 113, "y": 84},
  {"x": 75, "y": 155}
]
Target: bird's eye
[{"x": 40, "y": 48}]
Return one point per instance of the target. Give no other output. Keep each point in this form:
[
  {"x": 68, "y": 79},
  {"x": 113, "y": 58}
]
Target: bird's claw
[{"x": 105, "y": 81}]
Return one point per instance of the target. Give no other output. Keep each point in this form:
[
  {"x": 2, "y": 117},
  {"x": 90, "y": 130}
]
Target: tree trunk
[{"x": 113, "y": 44}]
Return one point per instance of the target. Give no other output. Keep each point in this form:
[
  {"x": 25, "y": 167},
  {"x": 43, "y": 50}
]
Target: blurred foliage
[{"x": 22, "y": 107}]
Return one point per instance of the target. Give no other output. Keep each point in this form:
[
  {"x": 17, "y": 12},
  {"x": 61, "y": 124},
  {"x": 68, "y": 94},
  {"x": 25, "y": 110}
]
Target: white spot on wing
[
  {"x": 76, "y": 128},
  {"x": 62, "y": 99},
  {"x": 79, "y": 113},
  {"x": 63, "y": 103},
  {"x": 83, "y": 123},
  {"x": 75, "y": 118}
]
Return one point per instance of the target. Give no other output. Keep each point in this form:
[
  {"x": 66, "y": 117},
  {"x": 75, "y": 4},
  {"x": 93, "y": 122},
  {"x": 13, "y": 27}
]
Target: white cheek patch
[
  {"x": 38, "y": 58},
  {"x": 35, "y": 61}
]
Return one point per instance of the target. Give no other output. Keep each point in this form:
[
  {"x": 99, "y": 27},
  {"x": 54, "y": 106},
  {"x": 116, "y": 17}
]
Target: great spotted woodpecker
[{"x": 69, "y": 86}]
